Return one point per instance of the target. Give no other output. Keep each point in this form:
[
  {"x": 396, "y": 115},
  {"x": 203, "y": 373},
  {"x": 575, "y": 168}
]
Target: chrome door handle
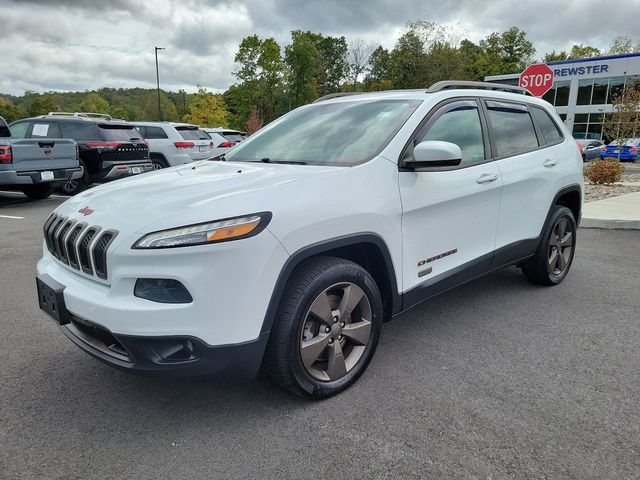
[
  {"x": 487, "y": 178},
  {"x": 550, "y": 162}
]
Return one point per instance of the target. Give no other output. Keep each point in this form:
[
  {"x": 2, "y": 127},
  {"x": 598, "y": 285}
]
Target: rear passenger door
[{"x": 528, "y": 164}]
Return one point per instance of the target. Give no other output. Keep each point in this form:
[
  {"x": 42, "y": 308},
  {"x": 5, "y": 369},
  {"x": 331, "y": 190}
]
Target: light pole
[{"x": 158, "y": 82}]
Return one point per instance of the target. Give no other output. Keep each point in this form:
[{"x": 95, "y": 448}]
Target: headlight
[{"x": 210, "y": 232}]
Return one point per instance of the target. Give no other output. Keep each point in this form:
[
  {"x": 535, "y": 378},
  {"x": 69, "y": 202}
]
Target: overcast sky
[{"x": 86, "y": 44}]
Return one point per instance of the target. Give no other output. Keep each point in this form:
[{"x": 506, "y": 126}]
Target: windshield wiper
[{"x": 283, "y": 162}]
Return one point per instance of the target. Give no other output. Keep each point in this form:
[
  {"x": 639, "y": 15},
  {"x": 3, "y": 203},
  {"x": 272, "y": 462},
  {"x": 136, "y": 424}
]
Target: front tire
[
  {"x": 327, "y": 328},
  {"x": 554, "y": 256},
  {"x": 38, "y": 192}
]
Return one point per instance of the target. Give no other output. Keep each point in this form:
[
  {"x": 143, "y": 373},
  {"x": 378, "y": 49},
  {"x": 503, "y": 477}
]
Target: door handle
[
  {"x": 487, "y": 178},
  {"x": 550, "y": 162}
]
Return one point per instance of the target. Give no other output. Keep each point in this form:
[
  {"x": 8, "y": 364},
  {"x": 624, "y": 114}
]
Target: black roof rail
[{"x": 454, "y": 84}]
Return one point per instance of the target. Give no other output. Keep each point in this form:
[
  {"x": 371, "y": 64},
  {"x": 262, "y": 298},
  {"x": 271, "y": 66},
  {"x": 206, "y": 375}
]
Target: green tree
[
  {"x": 379, "y": 75},
  {"x": 41, "y": 105},
  {"x": 94, "y": 103},
  {"x": 206, "y": 109},
  {"x": 554, "y": 56},
  {"x": 8, "y": 111},
  {"x": 506, "y": 52},
  {"x": 302, "y": 60},
  {"x": 584, "y": 51}
]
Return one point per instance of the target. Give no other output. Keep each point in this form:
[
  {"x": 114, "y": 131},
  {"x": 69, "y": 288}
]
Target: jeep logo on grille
[{"x": 86, "y": 211}]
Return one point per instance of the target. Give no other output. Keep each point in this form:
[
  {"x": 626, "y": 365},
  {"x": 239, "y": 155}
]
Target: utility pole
[{"x": 158, "y": 82}]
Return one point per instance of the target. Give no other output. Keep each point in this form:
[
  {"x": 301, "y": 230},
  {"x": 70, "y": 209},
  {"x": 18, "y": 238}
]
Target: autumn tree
[
  {"x": 41, "y": 105},
  {"x": 206, "y": 109},
  {"x": 253, "y": 123},
  {"x": 624, "y": 122},
  {"x": 622, "y": 45},
  {"x": 8, "y": 111},
  {"x": 94, "y": 103}
]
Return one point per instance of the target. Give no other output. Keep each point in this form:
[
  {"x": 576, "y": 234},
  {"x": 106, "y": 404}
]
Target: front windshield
[{"x": 342, "y": 134}]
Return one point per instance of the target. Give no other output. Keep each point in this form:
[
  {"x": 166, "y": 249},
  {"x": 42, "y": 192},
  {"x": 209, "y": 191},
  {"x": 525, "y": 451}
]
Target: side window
[
  {"x": 19, "y": 129},
  {"x": 80, "y": 131},
  {"x": 459, "y": 123},
  {"x": 143, "y": 130},
  {"x": 547, "y": 127},
  {"x": 45, "y": 130},
  {"x": 155, "y": 133},
  {"x": 511, "y": 128}
]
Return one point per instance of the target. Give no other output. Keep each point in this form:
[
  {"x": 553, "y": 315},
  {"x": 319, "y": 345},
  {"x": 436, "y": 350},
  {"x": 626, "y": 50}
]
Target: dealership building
[{"x": 583, "y": 89}]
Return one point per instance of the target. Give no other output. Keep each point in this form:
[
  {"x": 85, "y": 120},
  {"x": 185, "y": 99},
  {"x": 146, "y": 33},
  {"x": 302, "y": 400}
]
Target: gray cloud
[{"x": 83, "y": 44}]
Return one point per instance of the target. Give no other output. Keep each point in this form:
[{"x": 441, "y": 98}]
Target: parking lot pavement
[{"x": 495, "y": 379}]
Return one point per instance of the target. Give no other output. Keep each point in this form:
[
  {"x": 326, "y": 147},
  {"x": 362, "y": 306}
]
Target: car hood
[{"x": 191, "y": 193}]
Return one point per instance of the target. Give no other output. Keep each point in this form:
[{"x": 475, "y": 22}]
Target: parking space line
[
  {"x": 12, "y": 217},
  {"x": 3, "y": 192}
]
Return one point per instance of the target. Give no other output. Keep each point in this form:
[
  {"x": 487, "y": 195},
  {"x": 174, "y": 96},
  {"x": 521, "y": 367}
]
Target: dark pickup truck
[
  {"x": 35, "y": 166},
  {"x": 109, "y": 148}
]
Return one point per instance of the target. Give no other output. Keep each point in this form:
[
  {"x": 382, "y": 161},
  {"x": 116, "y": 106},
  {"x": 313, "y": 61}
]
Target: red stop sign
[{"x": 537, "y": 78}]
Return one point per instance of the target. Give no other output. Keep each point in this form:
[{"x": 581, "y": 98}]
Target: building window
[
  {"x": 585, "y": 87},
  {"x": 562, "y": 94},
  {"x": 550, "y": 96},
  {"x": 600, "y": 91},
  {"x": 616, "y": 85},
  {"x": 579, "y": 130},
  {"x": 581, "y": 118},
  {"x": 594, "y": 131}
]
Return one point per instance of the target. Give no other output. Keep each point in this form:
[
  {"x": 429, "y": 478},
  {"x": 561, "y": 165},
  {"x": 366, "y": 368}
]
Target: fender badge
[{"x": 86, "y": 211}]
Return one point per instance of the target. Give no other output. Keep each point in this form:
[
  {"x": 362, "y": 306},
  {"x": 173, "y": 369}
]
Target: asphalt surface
[{"x": 495, "y": 379}]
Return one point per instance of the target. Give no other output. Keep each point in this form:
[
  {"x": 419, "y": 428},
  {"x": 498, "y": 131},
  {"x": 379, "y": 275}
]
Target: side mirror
[{"x": 434, "y": 153}]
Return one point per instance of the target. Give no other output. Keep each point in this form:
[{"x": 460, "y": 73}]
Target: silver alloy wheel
[
  {"x": 560, "y": 246},
  {"x": 336, "y": 331}
]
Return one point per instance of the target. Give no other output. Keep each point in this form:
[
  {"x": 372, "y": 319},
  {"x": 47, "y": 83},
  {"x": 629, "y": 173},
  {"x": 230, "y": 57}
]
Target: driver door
[{"x": 450, "y": 216}]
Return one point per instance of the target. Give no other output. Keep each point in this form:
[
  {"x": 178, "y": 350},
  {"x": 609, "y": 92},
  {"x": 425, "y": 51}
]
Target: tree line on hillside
[{"x": 271, "y": 80}]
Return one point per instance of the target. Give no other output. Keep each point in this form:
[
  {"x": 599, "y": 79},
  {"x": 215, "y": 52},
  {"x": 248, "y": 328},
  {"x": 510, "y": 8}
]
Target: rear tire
[
  {"x": 38, "y": 192},
  {"x": 327, "y": 328},
  {"x": 159, "y": 163},
  {"x": 73, "y": 187},
  {"x": 554, "y": 256}
]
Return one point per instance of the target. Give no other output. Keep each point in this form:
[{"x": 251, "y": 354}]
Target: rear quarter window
[
  {"x": 511, "y": 128},
  {"x": 19, "y": 129},
  {"x": 546, "y": 126},
  {"x": 153, "y": 133}
]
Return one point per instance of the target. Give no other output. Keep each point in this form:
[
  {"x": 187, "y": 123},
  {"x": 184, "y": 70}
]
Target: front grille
[{"x": 78, "y": 245}]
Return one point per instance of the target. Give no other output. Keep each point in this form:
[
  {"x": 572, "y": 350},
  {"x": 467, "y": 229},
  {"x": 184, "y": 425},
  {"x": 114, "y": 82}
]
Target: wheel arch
[
  {"x": 570, "y": 197},
  {"x": 367, "y": 250},
  {"x": 159, "y": 156}
]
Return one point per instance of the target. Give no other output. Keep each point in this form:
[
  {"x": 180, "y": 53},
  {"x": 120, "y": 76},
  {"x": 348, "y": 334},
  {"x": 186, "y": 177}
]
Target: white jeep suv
[
  {"x": 295, "y": 248},
  {"x": 172, "y": 144}
]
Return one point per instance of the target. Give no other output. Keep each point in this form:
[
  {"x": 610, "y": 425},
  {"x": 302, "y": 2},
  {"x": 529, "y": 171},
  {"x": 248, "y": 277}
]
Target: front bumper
[
  {"x": 167, "y": 356},
  {"x": 13, "y": 177}
]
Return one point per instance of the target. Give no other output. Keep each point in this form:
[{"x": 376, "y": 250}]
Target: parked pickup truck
[{"x": 35, "y": 166}]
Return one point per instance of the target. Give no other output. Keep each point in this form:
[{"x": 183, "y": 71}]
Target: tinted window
[
  {"x": 120, "y": 132},
  {"x": 512, "y": 128},
  {"x": 458, "y": 123},
  {"x": 233, "y": 136},
  {"x": 45, "y": 130},
  {"x": 190, "y": 133},
  {"x": 80, "y": 131},
  {"x": 546, "y": 126},
  {"x": 153, "y": 132},
  {"x": 19, "y": 130}
]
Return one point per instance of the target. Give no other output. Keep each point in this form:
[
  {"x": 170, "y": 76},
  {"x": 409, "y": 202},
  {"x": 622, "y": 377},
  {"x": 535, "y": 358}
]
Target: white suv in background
[
  {"x": 296, "y": 245},
  {"x": 172, "y": 144},
  {"x": 224, "y": 138}
]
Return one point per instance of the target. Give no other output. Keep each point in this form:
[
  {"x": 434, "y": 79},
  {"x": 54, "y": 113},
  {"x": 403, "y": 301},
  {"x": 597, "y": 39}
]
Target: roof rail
[
  {"x": 336, "y": 95},
  {"x": 455, "y": 84},
  {"x": 80, "y": 114}
]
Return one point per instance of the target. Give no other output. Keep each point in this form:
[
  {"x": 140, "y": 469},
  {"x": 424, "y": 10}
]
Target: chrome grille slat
[
  {"x": 55, "y": 231},
  {"x": 99, "y": 252},
  {"x": 84, "y": 256}
]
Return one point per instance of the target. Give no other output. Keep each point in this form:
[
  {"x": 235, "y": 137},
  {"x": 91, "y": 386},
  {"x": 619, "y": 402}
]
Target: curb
[{"x": 610, "y": 224}]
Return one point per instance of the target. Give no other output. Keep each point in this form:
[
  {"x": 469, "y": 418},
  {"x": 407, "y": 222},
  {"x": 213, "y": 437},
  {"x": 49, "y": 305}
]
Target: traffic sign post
[{"x": 537, "y": 79}]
